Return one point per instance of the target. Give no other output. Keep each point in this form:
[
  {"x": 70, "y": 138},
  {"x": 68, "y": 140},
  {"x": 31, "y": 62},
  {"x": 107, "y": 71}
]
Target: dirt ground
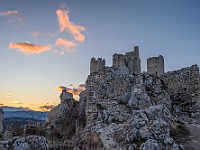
[{"x": 193, "y": 140}]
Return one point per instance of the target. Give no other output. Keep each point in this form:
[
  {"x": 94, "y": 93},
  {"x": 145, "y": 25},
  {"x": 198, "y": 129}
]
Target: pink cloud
[
  {"x": 29, "y": 48},
  {"x": 65, "y": 44},
  {"x": 66, "y": 25}
]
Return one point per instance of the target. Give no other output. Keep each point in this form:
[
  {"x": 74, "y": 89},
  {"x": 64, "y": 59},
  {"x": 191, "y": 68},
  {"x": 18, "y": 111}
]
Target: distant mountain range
[
  {"x": 18, "y": 116},
  {"x": 19, "y": 112},
  {"x": 10, "y": 108}
]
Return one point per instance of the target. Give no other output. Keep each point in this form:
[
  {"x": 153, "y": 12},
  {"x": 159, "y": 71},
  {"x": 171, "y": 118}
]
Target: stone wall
[
  {"x": 1, "y": 119},
  {"x": 183, "y": 86},
  {"x": 97, "y": 65},
  {"x": 155, "y": 65}
]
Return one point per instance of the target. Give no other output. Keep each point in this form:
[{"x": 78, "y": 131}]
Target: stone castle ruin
[
  {"x": 182, "y": 85},
  {"x": 131, "y": 61}
]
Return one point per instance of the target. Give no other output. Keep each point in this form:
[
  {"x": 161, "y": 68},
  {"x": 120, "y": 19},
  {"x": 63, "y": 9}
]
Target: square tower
[{"x": 155, "y": 65}]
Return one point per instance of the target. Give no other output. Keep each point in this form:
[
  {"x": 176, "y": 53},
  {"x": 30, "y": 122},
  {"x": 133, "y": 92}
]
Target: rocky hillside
[{"x": 118, "y": 110}]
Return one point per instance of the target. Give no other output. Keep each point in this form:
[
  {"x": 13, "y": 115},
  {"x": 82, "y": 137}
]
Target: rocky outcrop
[
  {"x": 1, "y": 119},
  {"x": 127, "y": 111},
  {"x": 32, "y": 142},
  {"x": 62, "y": 120},
  {"x": 57, "y": 112}
]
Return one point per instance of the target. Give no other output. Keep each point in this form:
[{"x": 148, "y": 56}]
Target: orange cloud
[
  {"x": 46, "y": 107},
  {"x": 65, "y": 44},
  {"x": 66, "y": 25},
  {"x": 75, "y": 90},
  {"x": 29, "y": 48},
  {"x": 15, "y": 102}
]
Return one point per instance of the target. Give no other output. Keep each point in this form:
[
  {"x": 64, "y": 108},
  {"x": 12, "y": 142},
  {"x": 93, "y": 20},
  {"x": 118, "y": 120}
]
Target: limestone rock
[
  {"x": 150, "y": 145},
  {"x": 57, "y": 112},
  {"x": 32, "y": 142}
]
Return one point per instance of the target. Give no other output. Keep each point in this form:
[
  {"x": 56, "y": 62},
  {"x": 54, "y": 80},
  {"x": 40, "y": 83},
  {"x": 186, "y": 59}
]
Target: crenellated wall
[{"x": 97, "y": 65}]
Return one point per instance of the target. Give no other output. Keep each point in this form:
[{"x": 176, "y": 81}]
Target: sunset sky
[{"x": 49, "y": 43}]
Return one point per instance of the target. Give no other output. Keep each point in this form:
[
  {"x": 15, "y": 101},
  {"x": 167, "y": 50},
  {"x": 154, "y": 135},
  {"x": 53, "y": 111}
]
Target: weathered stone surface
[
  {"x": 32, "y": 142},
  {"x": 183, "y": 86},
  {"x": 150, "y": 145}
]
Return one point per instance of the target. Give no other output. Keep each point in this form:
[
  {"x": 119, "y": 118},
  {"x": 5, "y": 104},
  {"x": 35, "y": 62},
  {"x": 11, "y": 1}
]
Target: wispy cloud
[
  {"x": 37, "y": 34},
  {"x": 47, "y": 107},
  {"x": 14, "y": 16},
  {"x": 66, "y": 25},
  {"x": 8, "y": 13},
  {"x": 15, "y": 102},
  {"x": 74, "y": 89},
  {"x": 1, "y": 104},
  {"x": 65, "y": 44},
  {"x": 29, "y": 48}
]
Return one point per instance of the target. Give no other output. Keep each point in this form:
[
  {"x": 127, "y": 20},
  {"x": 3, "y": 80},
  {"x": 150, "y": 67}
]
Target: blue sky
[{"x": 169, "y": 28}]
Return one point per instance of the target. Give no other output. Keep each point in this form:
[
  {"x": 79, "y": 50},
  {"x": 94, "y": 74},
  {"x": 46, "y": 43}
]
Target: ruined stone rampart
[{"x": 183, "y": 86}]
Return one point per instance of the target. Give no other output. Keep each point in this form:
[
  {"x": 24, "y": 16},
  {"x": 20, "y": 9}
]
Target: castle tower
[
  {"x": 133, "y": 61},
  {"x": 96, "y": 65},
  {"x": 155, "y": 65},
  {"x": 119, "y": 60}
]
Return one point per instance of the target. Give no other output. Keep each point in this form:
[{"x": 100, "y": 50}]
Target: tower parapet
[
  {"x": 97, "y": 64},
  {"x": 155, "y": 65}
]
